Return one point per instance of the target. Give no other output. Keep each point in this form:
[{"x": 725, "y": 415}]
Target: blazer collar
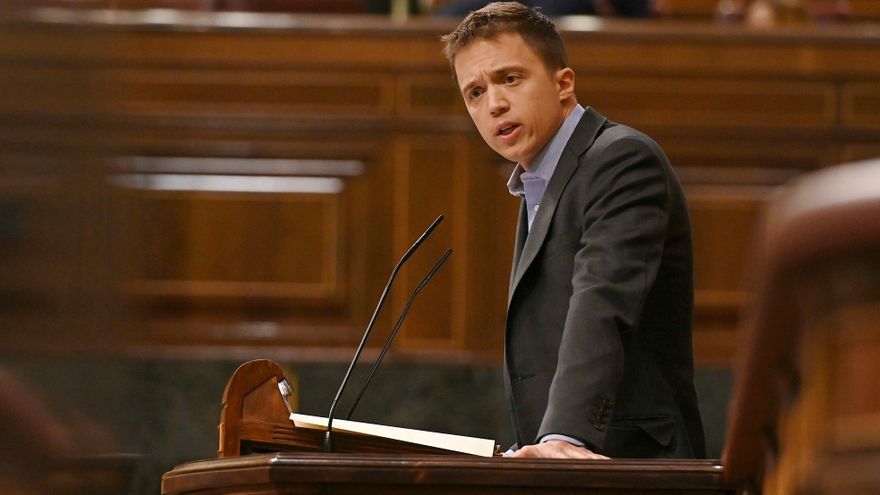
[{"x": 527, "y": 247}]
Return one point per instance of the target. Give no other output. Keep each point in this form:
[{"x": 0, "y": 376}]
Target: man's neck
[{"x": 567, "y": 107}]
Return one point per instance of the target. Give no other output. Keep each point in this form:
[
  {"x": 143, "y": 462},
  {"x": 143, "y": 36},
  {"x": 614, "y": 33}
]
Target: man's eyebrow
[
  {"x": 470, "y": 85},
  {"x": 504, "y": 69},
  {"x": 500, "y": 71}
]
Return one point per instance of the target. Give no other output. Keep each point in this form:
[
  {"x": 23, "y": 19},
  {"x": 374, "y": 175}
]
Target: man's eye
[
  {"x": 511, "y": 78},
  {"x": 475, "y": 93}
]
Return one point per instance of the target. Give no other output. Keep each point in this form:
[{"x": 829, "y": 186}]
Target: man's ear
[{"x": 565, "y": 83}]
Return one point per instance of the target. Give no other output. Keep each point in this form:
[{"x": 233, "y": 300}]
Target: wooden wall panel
[
  {"x": 38, "y": 241},
  {"x": 237, "y": 245},
  {"x": 57, "y": 278},
  {"x": 492, "y": 216},
  {"x": 865, "y": 8},
  {"x": 725, "y": 207},
  {"x": 27, "y": 83},
  {"x": 432, "y": 180},
  {"x": 647, "y": 101},
  {"x": 720, "y": 216},
  {"x": 688, "y": 8},
  {"x": 248, "y": 250},
  {"x": 739, "y": 113},
  {"x": 700, "y": 53},
  {"x": 860, "y": 105},
  {"x": 273, "y": 46},
  {"x": 738, "y": 158},
  {"x": 426, "y": 94},
  {"x": 262, "y": 92},
  {"x": 861, "y": 151}
]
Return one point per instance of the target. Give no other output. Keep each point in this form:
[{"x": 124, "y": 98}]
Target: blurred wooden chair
[
  {"x": 42, "y": 455},
  {"x": 805, "y": 413}
]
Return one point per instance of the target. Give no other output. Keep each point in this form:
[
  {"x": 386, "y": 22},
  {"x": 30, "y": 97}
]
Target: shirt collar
[{"x": 546, "y": 160}]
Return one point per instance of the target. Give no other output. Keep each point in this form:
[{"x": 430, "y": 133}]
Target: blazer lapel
[
  {"x": 522, "y": 232},
  {"x": 582, "y": 138}
]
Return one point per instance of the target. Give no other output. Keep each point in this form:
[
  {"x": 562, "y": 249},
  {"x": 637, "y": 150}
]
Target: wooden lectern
[
  {"x": 255, "y": 419},
  {"x": 286, "y": 459}
]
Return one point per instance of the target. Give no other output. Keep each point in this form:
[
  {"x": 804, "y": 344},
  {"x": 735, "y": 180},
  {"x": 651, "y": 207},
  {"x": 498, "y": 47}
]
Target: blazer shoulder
[
  {"x": 596, "y": 134},
  {"x": 621, "y": 155},
  {"x": 619, "y": 137}
]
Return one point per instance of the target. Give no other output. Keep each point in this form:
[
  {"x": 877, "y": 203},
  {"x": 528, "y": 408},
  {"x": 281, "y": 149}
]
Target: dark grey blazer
[{"x": 598, "y": 338}]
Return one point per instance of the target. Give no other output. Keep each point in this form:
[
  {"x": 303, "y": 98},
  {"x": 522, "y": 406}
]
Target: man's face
[{"x": 515, "y": 101}]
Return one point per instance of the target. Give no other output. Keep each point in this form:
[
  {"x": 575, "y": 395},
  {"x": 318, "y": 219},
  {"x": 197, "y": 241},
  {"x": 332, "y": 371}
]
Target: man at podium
[{"x": 598, "y": 352}]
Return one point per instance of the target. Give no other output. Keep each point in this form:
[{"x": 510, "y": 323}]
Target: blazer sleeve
[{"x": 624, "y": 222}]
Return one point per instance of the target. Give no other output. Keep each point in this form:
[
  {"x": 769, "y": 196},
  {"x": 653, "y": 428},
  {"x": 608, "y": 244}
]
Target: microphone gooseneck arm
[
  {"x": 397, "y": 326},
  {"x": 328, "y": 436}
]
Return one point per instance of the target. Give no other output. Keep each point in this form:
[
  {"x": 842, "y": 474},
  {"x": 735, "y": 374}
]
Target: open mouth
[{"x": 507, "y": 129}]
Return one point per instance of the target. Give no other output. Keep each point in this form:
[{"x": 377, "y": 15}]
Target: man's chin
[{"x": 507, "y": 155}]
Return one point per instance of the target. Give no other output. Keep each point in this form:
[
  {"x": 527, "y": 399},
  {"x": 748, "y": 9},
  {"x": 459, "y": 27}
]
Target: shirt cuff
[{"x": 564, "y": 438}]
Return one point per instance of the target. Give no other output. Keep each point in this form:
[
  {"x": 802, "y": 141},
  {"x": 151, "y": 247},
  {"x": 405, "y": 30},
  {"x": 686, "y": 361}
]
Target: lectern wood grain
[{"x": 398, "y": 474}]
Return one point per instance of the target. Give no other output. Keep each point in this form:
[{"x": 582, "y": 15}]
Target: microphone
[
  {"x": 397, "y": 326},
  {"x": 328, "y": 438}
]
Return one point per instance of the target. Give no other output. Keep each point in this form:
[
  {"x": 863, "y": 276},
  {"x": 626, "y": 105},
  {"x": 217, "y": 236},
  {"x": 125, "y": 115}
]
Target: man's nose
[{"x": 498, "y": 103}]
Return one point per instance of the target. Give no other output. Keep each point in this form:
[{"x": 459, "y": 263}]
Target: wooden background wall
[{"x": 259, "y": 175}]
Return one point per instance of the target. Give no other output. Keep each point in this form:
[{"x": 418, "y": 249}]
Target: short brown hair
[{"x": 536, "y": 29}]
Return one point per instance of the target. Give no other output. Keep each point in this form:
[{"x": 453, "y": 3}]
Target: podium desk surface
[{"x": 365, "y": 473}]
